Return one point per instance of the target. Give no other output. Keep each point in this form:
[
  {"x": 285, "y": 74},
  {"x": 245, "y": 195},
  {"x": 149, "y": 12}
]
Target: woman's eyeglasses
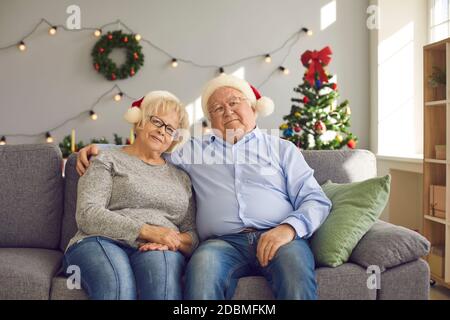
[{"x": 157, "y": 122}]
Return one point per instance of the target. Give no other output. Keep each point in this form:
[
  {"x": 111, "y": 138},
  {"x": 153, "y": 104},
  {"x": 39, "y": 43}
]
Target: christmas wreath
[{"x": 112, "y": 40}]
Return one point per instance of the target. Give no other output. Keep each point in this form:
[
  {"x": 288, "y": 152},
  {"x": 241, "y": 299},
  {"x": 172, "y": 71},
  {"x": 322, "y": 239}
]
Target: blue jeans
[
  {"x": 114, "y": 271},
  {"x": 216, "y": 266}
]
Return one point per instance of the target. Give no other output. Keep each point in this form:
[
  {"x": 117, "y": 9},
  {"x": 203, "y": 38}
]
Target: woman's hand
[
  {"x": 161, "y": 235},
  {"x": 83, "y": 156},
  {"x": 151, "y": 246}
]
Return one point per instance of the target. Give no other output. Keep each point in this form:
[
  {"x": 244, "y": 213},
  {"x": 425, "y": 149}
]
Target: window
[{"x": 439, "y": 19}]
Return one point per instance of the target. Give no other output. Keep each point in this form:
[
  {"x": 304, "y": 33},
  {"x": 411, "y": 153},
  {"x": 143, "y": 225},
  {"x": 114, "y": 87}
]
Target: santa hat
[
  {"x": 134, "y": 114},
  {"x": 264, "y": 106}
]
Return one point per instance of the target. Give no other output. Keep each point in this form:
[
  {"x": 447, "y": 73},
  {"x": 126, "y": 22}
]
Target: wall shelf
[
  {"x": 437, "y": 172},
  {"x": 436, "y": 103}
]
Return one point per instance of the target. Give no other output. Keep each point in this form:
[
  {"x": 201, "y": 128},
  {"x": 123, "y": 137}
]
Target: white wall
[{"x": 54, "y": 79}]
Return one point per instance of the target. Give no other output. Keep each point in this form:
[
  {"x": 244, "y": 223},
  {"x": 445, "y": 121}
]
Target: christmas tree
[{"x": 316, "y": 121}]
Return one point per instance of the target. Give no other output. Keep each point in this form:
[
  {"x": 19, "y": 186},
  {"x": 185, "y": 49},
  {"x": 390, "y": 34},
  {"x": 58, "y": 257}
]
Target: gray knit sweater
[{"x": 119, "y": 193}]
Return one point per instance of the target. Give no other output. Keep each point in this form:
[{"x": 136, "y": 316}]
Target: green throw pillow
[{"x": 356, "y": 207}]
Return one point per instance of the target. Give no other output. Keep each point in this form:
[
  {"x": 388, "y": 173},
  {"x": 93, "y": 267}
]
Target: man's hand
[
  {"x": 271, "y": 241},
  {"x": 161, "y": 235},
  {"x": 83, "y": 158},
  {"x": 151, "y": 246}
]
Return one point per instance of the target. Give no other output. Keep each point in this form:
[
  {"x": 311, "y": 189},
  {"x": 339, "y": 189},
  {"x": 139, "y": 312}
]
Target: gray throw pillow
[{"x": 386, "y": 245}]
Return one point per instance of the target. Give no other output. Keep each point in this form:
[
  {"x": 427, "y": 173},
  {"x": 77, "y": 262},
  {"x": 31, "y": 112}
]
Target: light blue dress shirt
[{"x": 260, "y": 182}]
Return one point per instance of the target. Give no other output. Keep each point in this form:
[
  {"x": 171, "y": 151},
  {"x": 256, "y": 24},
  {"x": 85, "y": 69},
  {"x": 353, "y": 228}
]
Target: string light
[
  {"x": 309, "y": 32},
  {"x": 93, "y": 115},
  {"x": 52, "y": 30},
  {"x": 118, "y": 96},
  {"x": 290, "y": 42},
  {"x": 49, "y": 137},
  {"x": 284, "y": 70},
  {"x": 22, "y": 46}
]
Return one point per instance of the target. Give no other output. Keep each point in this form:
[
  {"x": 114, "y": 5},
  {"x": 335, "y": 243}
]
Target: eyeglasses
[
  {"x": 157, "y": 122},
  {"x": 217, "y": 110}
]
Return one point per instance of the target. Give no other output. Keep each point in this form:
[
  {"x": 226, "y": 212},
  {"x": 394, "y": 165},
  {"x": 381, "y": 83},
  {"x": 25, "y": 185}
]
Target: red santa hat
[
  {"x": 134, "y": 114},
  {"x": 264, "y": 106}
]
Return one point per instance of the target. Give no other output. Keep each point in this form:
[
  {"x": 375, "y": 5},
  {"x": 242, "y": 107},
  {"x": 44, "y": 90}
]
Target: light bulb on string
[
  {"x": 52, "y": 30},
  {"x": 284, "y": 70},
  {"x": 93, "y": 115},
  {"x": 268, "y": 58},
  {"x": 309, "y": 32},
  {"x": 21, "y": 45},
  {"x": 118, "y": 97},
  {"x": 98, "y": 33},
  {"x": 138, "y": 37},
  {"x": 221, "y": 71},
  {"x": 174, "y": 63},
  {"x": 3, "y": 141},
  {"x": 48, "y": 137}
]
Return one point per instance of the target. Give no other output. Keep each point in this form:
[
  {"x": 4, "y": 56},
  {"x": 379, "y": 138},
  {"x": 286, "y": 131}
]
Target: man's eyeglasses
[
  {"x": 157, "y": 122},
  {"x": 217, "y": 110}
]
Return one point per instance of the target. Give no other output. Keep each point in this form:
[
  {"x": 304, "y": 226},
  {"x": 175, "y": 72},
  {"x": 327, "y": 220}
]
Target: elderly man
[{"x": 257, "y": 199}]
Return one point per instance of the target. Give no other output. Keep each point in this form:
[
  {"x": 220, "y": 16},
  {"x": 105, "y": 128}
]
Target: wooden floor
[{"x": 439, "y": 293}]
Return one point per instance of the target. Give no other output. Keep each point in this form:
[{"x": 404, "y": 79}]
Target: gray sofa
[{"x": 37, "y": 219}]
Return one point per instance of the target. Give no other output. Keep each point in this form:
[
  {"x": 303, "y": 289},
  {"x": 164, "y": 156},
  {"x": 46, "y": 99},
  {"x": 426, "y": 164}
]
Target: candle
[
  {"x": 131, "y": 136},
  {"x": 72, "y": 143}
]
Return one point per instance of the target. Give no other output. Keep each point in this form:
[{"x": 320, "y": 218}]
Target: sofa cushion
[
  {"x": 347, "y": 282},
  {"x": 31, "y": 196},
  {"x": 410, "y": 281},
  {"x": 356, "y": 207},
  {"x": 27, "y": 273},
  {"x": 341, "y": 166},
  {"x": 60, "y": 291},
  {"x": 387, "y": 246}
]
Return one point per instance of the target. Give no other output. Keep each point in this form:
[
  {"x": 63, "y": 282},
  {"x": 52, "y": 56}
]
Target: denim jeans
[
  {"x": 216, "y": 266},
  {"x": 113, "y": 271}
]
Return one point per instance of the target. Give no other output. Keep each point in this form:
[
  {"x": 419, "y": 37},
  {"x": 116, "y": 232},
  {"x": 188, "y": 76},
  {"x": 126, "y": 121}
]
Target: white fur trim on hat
[
  {"x": 264, "y": 106},
  {"x": 133, "y": 115}
]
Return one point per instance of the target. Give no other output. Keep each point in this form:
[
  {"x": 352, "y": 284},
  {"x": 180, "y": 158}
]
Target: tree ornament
[
  {"x": 110, "y": 36},
  {"x": 284, "y": 126},
  {"x": 319, "y": 127},
  {"x": 318, "y": 84},
  {"x": 334, "y": 86},
  {"x": 289, "y": 133},
  {"x": 351, "y": 144},
  {"x": 339, "y": 138},
  {"x": 305, "y": 100},
  {"x": 315, "y": 61},
  {"x": 298, "y": 115}
]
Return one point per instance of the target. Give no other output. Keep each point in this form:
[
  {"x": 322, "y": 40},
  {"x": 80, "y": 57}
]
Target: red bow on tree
[{"x": 315, "y": 61}]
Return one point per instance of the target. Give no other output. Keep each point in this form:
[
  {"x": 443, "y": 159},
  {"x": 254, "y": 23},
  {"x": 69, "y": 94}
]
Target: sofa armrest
[{"x": 386, "y": 245}]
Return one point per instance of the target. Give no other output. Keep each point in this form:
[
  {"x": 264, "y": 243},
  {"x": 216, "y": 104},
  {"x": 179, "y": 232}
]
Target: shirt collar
[{"x": 255, "y": 133}]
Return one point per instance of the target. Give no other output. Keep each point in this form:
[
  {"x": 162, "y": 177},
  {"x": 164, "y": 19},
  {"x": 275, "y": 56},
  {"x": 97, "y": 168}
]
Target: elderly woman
[{"x": 135, "y": 212}]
